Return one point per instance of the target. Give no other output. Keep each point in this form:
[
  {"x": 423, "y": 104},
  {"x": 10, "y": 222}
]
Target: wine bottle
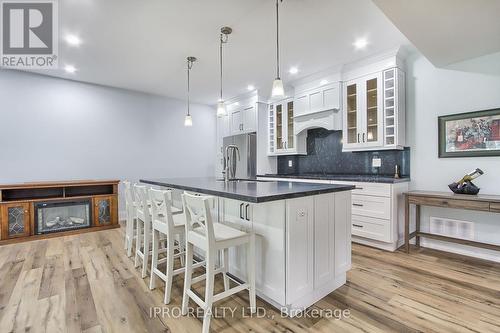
[{"x": 471, "y": 176}]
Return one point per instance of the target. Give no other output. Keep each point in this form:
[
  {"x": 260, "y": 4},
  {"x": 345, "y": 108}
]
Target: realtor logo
[{"x": 29, "y": 34}]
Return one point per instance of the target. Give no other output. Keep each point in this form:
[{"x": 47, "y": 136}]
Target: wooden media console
[{"x": 49, "y": 209}]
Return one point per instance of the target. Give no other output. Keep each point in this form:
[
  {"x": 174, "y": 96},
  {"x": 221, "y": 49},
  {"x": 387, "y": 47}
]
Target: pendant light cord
[
  {"x": 221, "y": 42},
  {"x": 189, "y": 66},
  {"x": 277, "y": 40}
]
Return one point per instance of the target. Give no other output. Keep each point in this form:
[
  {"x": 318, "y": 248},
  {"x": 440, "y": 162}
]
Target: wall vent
[{"x": 452, "y": 228}]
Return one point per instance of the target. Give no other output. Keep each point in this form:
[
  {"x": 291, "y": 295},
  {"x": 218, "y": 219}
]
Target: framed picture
[{"x": 470, "y": 134}]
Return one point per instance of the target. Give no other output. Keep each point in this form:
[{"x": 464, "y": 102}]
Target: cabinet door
[
  {"x": 269, "y": 226},
  {"x": 250, "y": 119},
  {"x": 372, "y": 115},
  {"x": 237, "y": 214},
  {"x": 105, "y": 211},
  {"x": 316, "y": 100},
  {"x": 343, "y": 230},
  {"x": 300, "y": 248},
  {"x": 331, "y": 98},
  {"x": 280, "y": 116},
  {"x": 352, "y": 122},
  {"x": 301, "y": 104},
  {"x": 15, "y": 220},
  {"x": 290, "y": 138},
  {"x": 324, "y": 239},
  {"x": 236, "y": 122}
]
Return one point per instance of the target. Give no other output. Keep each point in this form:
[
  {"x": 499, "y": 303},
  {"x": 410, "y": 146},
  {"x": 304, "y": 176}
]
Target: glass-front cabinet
[
  {"x": 352, "y": 114},
  {"x": 290, "y": 141},
  {"x": 280, "y": 143},
  {"x": 104, "y": 210},
  {"x": 15, "y": 219},
  {"x": 363, "y": 121},
  {"x": 282, "y": 137}
]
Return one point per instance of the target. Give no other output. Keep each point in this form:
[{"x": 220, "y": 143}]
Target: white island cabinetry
[{"x": 303, "y": 246}]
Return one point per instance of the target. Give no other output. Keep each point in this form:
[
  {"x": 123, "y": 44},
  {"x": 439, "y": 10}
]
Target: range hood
[{"x": 328, "y": 119}]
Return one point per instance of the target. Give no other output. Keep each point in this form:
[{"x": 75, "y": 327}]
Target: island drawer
[
  {"x": 372, "y": 228},
  {"x": 371, "y": 206}
]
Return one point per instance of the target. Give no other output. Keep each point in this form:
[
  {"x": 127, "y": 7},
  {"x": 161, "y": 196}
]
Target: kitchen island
[{"x": 303, "y": 234}]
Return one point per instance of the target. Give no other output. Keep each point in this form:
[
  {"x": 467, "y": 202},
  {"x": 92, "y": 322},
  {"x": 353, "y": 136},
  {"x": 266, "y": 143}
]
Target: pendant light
[
  {"x": 278, "y": 90},
  {"x": 188, "y": 121},
  {"x": 221, "y": 106}
]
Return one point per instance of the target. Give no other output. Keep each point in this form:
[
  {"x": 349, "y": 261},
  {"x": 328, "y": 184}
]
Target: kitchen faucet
[{"x": 229, "y": 171}]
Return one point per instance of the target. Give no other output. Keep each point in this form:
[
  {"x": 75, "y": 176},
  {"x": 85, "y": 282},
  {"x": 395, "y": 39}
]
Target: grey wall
[
  {"x": 54, "y": 129},
  {"x": 432, "y": 92}
]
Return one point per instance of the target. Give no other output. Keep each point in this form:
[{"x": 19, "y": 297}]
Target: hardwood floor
[{"x": 85, "y": 283}]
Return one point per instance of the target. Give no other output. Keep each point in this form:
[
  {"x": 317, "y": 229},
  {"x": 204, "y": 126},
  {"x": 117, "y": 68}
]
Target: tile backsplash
[{"x": 325, "y": 156}]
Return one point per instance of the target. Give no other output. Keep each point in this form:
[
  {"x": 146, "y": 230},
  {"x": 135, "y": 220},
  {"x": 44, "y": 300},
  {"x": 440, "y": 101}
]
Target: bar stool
[
  {"x": 212, "y": 238},
  {"x": 130, "y": 207},
  {"x": 143, "y": 213},
  {"x": 143, "y": 218},
  {"x": 171, "y": 226}
]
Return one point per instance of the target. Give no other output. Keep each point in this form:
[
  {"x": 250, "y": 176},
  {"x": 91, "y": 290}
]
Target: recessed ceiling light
[
  {"x": 323, "y": 82},
  {"x": 360, "y": 43},
  {"x": 73, "y": 40},
  {"x": 250, "y": 87},
  {"x": 70, "y": 69},
  {"x": 293, "y": 70}
]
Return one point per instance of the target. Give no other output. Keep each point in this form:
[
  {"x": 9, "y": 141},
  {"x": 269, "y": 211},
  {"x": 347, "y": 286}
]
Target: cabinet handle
[
  {"x": 26, "y": 211},
  {"x": 358, "y": 137},
  {"x": 357, "y": 205},
  {"x": 363, "y": 137},
  {"x": 358, "y": 188},
  {"x": 357, "y": 226},
  {"x": 241, "y": 211},
  {"x": 246, "y": 212}
]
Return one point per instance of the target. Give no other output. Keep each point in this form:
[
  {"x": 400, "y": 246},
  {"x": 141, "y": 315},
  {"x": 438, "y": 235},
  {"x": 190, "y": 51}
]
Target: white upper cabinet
[
  {"x": 250, "y": 118},
  {"x": 243, "y": 116},
  {"x": 236, "y": 121},
  {"x": 373, "y": 111},
  {"x": 323, "y": 98},
  {"x": 363, "y": 121},
  {"x": 282, "y": 138},
  {"x": 394, "y": 108}
]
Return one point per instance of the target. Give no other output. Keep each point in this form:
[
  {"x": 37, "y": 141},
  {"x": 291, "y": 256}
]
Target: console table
[
  {"x": 48, "y": 209},
  {"x": 484, "y": 203}
]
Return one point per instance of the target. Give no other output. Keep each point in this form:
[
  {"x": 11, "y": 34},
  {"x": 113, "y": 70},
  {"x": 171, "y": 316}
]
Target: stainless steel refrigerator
[{"x": 246, "y": 166}]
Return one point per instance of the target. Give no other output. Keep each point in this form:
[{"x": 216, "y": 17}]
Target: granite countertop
[
  {"x": 250, "y": 191},
  {"x": 344, "y": 177}
]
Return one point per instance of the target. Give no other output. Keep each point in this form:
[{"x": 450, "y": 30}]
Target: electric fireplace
[{"x": 55, "y": 216}]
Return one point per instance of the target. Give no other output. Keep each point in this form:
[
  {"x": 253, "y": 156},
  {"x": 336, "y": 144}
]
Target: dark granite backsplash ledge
[{"x": 325, "y": 156}]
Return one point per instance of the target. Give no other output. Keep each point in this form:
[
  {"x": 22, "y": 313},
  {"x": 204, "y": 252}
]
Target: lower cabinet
[
  {"x": 267, "y": 220},
  {"x": 377, "y": 211},
  {"x": 15, "y": 220},
  {"x": 303, "y": 245},
  {"x": 318, "y": 244},
  {"x": 300, "y": 248},
  {"x": 105, "y": 211}
]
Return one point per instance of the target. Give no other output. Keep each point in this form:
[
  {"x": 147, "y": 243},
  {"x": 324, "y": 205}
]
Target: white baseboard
[
  {"x": 461, "y": 249},
  {"x": 374, "y": 243}
]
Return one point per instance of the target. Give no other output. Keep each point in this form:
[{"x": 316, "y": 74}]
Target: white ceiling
[
  {"x": 142, "y": 45},
  {"x": 447, "y": 31}
]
